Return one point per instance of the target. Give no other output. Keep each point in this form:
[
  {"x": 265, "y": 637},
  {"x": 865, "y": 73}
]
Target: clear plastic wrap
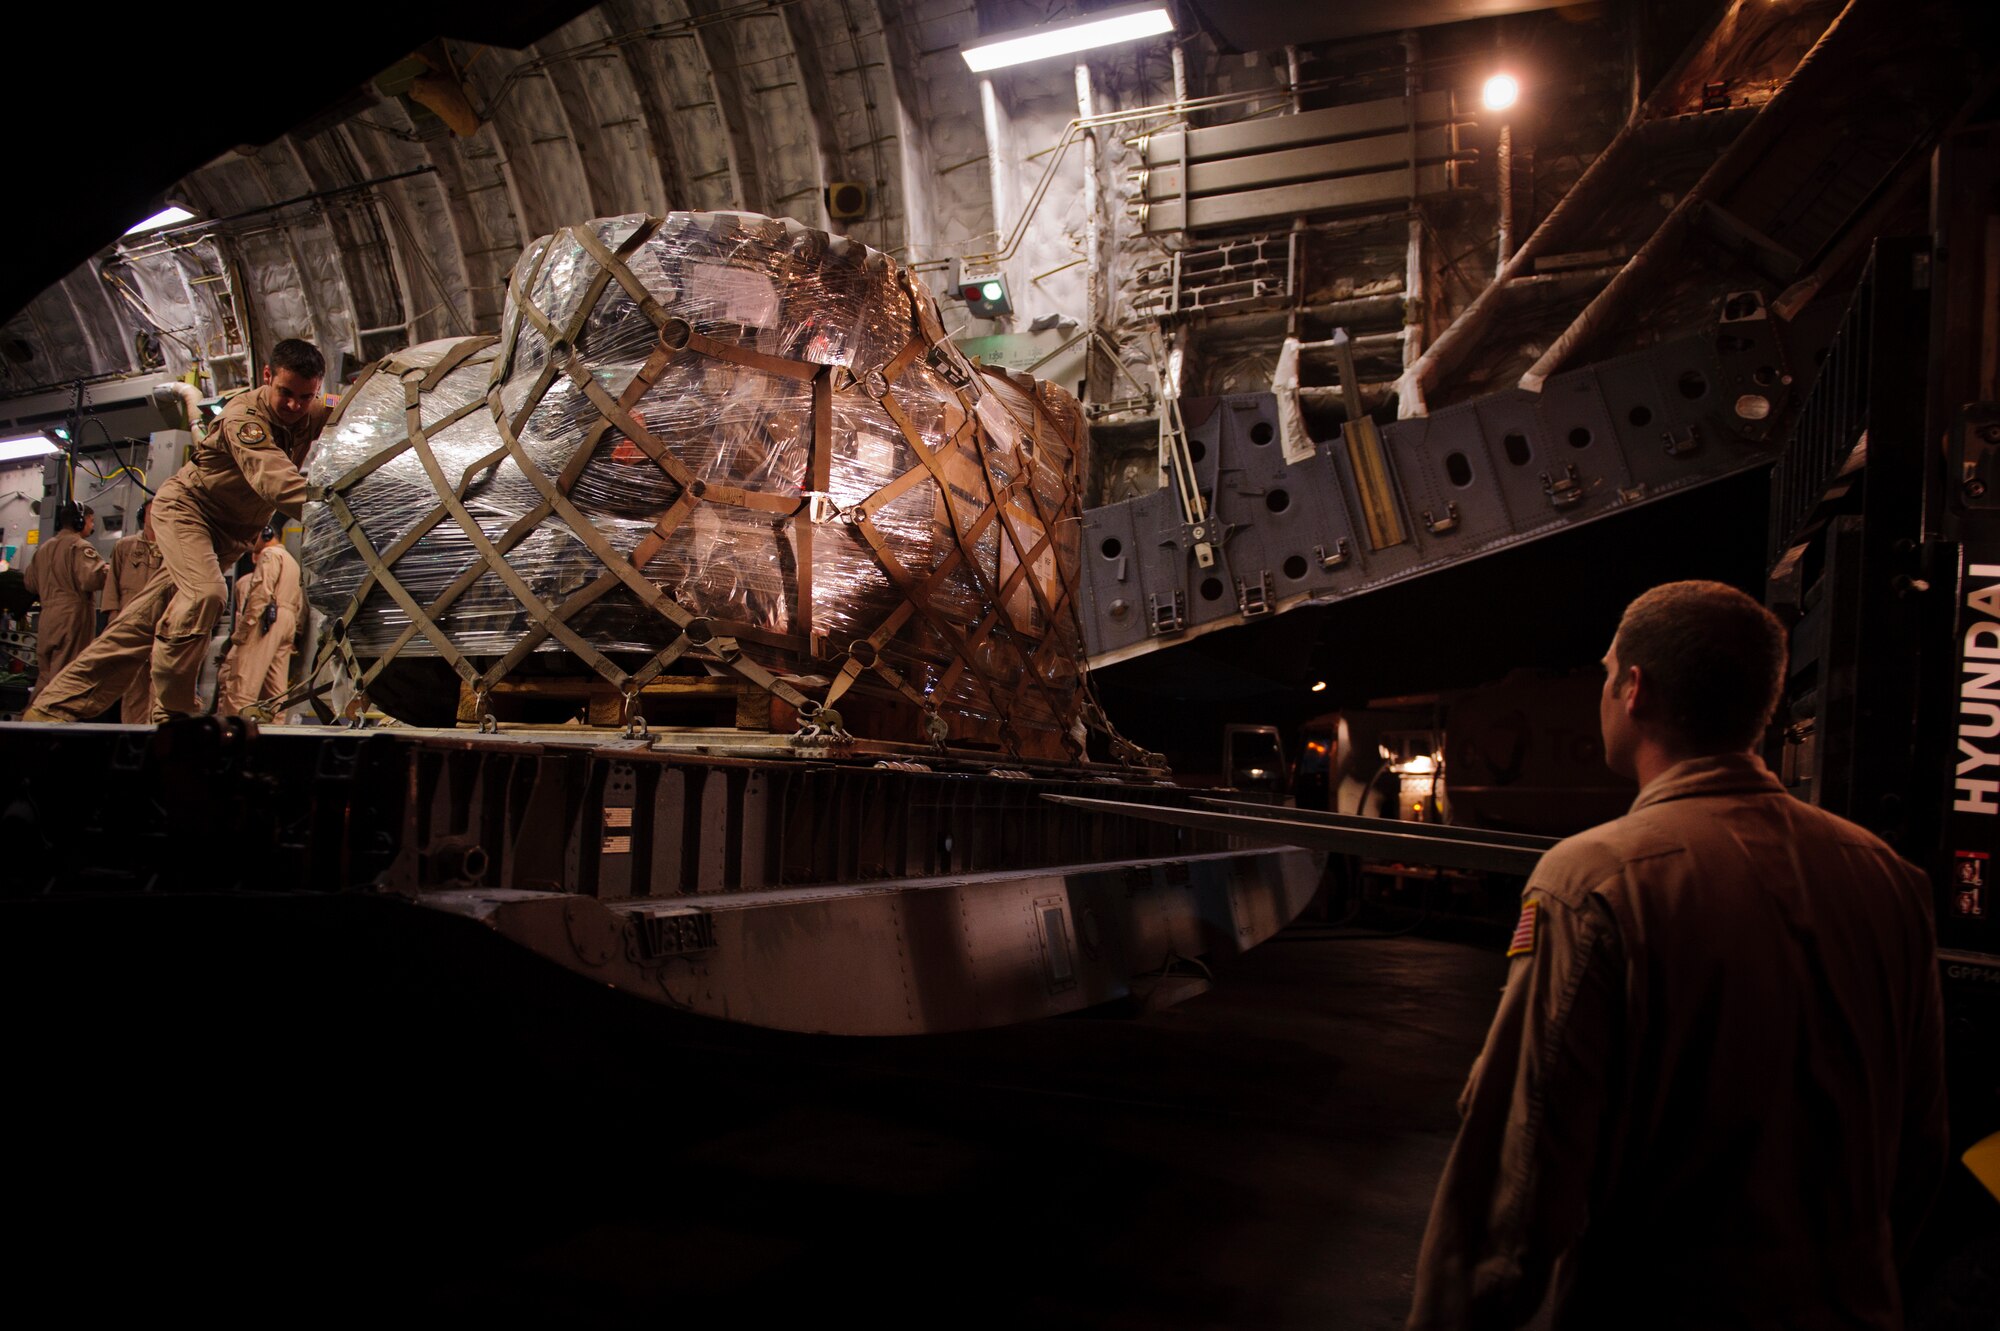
[{"x": 941, "y": 541}]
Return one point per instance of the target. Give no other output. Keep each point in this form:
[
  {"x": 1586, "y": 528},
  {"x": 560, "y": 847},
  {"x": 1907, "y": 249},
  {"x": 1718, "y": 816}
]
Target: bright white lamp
[
  {"x": 1501, "y": 91},
  {"x": 25, "y": 447},
  {"x": 1105, "y": 28}
]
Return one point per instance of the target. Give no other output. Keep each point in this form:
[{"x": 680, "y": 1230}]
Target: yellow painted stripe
[{"x": 1376, "y": 490}]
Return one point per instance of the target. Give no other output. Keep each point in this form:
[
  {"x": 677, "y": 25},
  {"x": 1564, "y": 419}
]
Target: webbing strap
[
  {"x": 587, "y": 531},
  {"x": 819, "y": 475},
  {"x": 418, "y": 619},
  {"x": 857, "y": 662},
  {"x": 751, "y": 359},
  {"x": 454, "y": 358},
  {"x": 378, "y": 567},
  {"x": 908, "y": 585},
  {"x": 494, "y": 560},
  {"x": 376, "y": 461},
  {"x": 423, "y": 619}
]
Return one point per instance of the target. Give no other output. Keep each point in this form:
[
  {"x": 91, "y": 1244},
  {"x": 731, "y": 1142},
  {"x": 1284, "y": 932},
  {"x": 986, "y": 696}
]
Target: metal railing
[{"x": 1832, "y": 423}]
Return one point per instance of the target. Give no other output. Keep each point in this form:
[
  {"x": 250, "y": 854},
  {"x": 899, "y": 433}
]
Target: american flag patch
[{"x": 1524, "y": 932}]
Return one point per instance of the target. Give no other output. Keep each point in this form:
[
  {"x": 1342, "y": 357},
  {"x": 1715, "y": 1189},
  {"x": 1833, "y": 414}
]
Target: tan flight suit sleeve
[
  {"x": 1924, "y": 1151},
  {"x": 121, "y": 561},
  {"x": 1516, "y": 1188},
  {"x": 108, "y": 602},
  {"x": 31, "y": 577},
  {"x": 87, "y": 568},
  {"x": 266, "y": 467}
]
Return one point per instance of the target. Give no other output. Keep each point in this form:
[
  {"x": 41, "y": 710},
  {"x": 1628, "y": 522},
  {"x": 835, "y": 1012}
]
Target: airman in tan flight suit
[
  {"x": 269, "y": 606},
  {"x": 1713, "y": 1095},
  {"x": 134, "y": 561},
  {"x": 65, "y": 574},
  {"x": 243, "y": 468}
]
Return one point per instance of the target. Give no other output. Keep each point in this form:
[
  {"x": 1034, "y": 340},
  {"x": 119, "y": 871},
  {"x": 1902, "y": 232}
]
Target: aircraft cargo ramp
[{"x": 1656, "y": 332}]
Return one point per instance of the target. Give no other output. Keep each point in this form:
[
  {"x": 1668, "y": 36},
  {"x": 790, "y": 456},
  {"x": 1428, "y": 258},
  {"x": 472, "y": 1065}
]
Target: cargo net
[{"x": 721, "y": 443}]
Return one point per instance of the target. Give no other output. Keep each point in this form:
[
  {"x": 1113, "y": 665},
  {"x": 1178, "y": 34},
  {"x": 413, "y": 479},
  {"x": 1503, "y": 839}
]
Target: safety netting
[{"x": 716, "y": 442}]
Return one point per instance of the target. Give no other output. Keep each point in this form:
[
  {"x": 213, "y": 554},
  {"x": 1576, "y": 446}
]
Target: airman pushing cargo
[{"x": 245, "y": 467}]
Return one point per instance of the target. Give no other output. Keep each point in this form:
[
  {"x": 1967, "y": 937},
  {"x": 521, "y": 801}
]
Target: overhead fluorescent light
[
  {"x": 24, "y": 447},
  {"x": 165, "y": 217},
  {"x": 1106, "y": 28}
]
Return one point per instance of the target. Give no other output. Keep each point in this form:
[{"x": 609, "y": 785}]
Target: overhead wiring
[
  {"x": 145, "y": 311},
  {"x": 124, "y": 464},
  {"x": 138, "y": 479}
]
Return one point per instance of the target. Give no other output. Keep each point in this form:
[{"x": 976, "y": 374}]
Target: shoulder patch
[
  {"x": 250, "y": 432},
  {"x": 1524, "y": 932}
]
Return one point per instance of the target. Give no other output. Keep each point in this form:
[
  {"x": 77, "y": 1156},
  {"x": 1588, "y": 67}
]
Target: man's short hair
[
  {"x": 1713, "y": 658},
  {"x": 69, "y": 517},
  {"x": 144, "y": 509},
  {"x": 300, "y": 357}
]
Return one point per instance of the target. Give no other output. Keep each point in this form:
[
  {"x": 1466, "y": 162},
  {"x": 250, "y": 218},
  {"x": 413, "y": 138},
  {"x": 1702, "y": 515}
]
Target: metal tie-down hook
[
  {"x": 629, "y": 713},
  {"x": 819, "y": 722},
  {"x": 936, "y": 729}
]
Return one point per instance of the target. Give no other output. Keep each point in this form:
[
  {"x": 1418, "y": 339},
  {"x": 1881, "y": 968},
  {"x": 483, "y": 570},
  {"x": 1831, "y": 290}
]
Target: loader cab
[{"x": 1253, "y": 762}]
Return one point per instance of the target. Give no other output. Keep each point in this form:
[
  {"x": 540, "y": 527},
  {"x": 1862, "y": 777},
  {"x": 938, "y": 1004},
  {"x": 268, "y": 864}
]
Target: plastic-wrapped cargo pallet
[{"x": 715, "y": 442}]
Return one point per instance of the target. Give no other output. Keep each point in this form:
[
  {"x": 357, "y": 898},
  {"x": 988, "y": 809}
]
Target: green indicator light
[{"x": 993, "y": 291}]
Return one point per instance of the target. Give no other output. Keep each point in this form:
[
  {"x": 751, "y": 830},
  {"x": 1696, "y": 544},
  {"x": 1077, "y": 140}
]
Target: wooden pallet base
[{"x": 674, "y": 701}]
